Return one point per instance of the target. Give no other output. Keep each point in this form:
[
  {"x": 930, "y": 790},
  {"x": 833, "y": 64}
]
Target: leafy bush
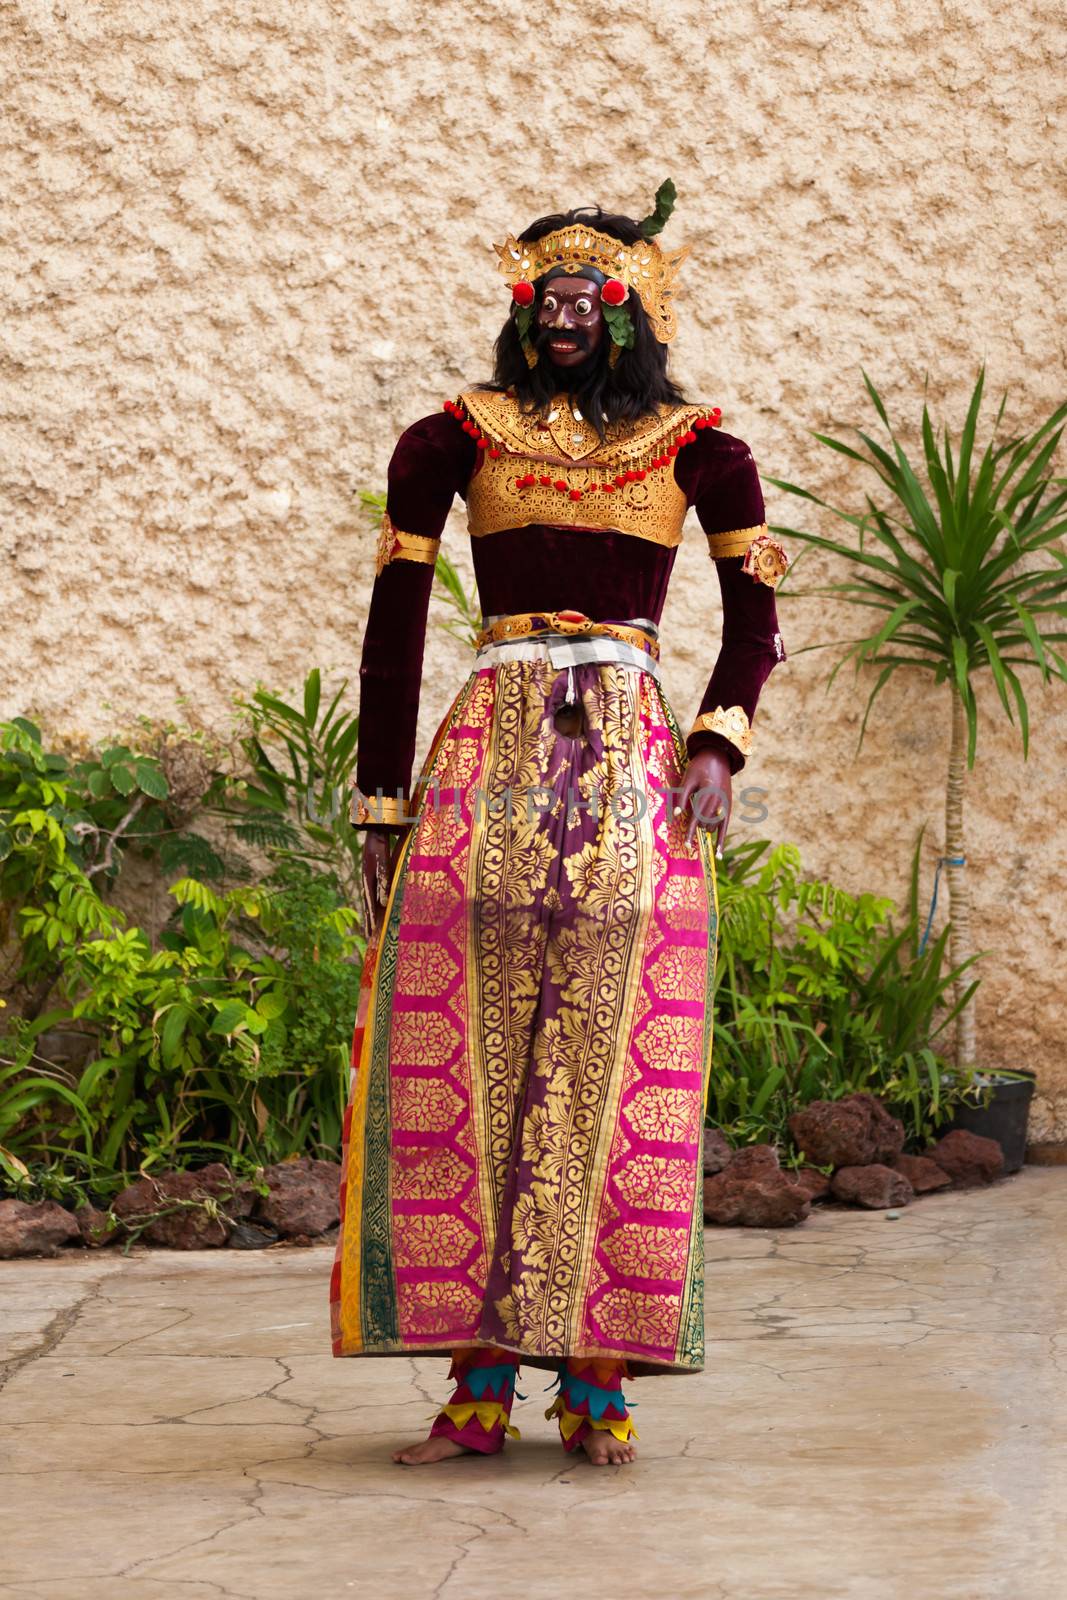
[
  {"x": 819, "y": 995},
  {"x": 228, "y": 1037}
]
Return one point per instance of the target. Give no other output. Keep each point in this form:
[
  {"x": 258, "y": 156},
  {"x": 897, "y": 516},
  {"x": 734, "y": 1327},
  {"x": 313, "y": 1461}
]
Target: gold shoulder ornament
[{"x": 765, "y": 559}]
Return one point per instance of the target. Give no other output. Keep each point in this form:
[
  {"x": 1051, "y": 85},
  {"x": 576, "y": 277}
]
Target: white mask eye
[
  {"x": 550, "y": 303},
  {"x": 583, "y": 305}
]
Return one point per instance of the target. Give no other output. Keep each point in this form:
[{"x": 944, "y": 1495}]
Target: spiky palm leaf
[
  {"x": 963, "y": 568},
  {"x": 960, "y": 560}
]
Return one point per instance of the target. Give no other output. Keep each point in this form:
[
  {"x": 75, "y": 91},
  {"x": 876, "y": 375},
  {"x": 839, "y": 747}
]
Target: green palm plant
[{"x": 959, "y": 561}]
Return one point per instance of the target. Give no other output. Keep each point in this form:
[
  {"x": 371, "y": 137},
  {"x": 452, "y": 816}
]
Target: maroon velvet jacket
[{"x": 606, "y": 575}]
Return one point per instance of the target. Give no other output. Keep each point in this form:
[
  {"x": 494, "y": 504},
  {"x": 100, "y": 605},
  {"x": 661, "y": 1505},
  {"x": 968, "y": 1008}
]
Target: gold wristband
[
  {"x": 380, "y": 810},
  {"x": 733, "y": 725}
]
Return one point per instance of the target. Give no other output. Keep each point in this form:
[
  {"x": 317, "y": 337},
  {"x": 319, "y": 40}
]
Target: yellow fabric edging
[
  {"x": 488, "y": 1412},
  {"x": 570, "y": 1422}
]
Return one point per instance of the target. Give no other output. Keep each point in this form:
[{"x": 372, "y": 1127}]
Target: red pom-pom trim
[
  {"x": 614, "y": 292},
  {"x": 523, "y": 294}
]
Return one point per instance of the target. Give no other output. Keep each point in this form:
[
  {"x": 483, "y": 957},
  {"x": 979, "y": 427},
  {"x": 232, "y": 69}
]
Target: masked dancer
[{"x": 522, "y": 1156}]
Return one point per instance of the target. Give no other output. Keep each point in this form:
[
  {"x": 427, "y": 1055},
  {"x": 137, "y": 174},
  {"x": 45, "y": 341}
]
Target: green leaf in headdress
[
  {"x": 620, "y": 325},
  {"x": 666, "y": 195}
]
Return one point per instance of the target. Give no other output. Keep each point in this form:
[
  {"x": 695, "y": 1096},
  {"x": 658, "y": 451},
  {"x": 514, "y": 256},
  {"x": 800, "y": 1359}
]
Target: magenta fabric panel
[{"x": 543, "y": 972}]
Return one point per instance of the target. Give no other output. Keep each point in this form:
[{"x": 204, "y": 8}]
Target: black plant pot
[{"x": 1004, "y": 1118}]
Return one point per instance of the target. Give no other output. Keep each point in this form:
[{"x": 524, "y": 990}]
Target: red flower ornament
[
  {"x": 523, "y": 294},
  {"x": 614, "y": 292}
]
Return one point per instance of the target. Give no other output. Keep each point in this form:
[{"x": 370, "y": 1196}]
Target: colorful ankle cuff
[
  {"x": 591, "y": 1398},
  {"x": 478, "y": 1416}
]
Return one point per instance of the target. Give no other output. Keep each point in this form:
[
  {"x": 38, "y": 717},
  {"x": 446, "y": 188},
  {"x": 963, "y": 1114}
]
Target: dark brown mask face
[{"x": 570, "y": 320}]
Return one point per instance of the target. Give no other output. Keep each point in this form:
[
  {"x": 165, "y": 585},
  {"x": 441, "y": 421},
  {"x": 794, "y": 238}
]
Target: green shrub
[
  {"x": 820, "y": 994},
  {"x": 229, "y": 1038}
]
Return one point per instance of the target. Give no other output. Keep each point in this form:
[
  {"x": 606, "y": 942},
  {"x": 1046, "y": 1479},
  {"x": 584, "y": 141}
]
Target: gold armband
[
  {"x": 395, "y": 545},
  {"x": 733, "y": 725},
  {"x": 734, "y": 543},
  {"x": 381, "y": 810}
]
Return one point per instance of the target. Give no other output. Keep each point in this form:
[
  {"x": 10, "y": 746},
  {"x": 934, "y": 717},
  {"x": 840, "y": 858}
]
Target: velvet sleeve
[
  {"x": 431, "y": 464},
  {"x": 719, "y": 478}
]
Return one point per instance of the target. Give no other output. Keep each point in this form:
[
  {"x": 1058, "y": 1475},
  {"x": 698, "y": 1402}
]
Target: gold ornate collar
[{"x": 498, "y": 423}]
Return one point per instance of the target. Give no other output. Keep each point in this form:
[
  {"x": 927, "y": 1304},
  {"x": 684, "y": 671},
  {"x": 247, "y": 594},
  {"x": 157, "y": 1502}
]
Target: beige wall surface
[{"x": 243, "y": 245}]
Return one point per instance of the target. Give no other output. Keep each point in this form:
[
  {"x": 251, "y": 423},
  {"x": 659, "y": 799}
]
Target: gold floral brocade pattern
[
  {"x": 541, "y": 1038},
  {"x": 544, "y": 469}
]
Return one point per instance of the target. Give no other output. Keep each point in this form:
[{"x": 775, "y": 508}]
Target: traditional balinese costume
[{"x": 522, "y": 1156}]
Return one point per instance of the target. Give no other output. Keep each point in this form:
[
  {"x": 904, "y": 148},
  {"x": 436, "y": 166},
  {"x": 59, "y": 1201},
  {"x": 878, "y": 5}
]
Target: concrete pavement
[{"x": 881, "y": 1417}]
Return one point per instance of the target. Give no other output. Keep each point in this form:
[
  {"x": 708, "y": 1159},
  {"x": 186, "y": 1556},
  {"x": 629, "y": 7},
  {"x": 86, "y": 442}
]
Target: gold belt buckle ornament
[{"x": 570, "y": 621}]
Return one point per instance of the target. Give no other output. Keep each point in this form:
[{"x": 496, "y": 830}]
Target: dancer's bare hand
[
  {"x": 706, "y": 794},
  {"x": 379, "y": 854}
]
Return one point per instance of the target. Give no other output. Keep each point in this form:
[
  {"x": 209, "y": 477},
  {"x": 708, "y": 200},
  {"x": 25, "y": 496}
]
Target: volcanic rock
[
  {"x": 851, "y": 1132},
  {"x": 94, "y": 1227},
  {"x": 875, "y": 1186},
  {"x": 969, "y": 1159},
  {"x": 249, "y": 1236},
  {"x": 195, "y": 1207},
  {"x": 717, "y": 1153},
  {"x": 35, "y": 1230},
  {"x": 304, "y": 1197},
  {"x": 813, "y": 1183},
  {"x": 922, "y": 1173},
  {"x": 754, "y": 1192}
]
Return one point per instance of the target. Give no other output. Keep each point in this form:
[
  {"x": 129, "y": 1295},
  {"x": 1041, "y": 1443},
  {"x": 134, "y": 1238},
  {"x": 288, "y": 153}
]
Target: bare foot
[
  {"x": 429, "y": 1451},
  {"x": 604, "y": 1450}
]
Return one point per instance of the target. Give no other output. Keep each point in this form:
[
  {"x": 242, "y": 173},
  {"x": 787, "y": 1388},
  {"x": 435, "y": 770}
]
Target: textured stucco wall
[{"x": 244, "y": 245}]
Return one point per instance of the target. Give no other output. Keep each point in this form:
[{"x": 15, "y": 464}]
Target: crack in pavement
[{"x": 52, "y": 1336}]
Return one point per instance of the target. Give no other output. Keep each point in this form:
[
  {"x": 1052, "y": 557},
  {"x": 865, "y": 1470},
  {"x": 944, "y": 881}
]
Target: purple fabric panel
[
  {"x": 430, "y": 466},
  {"x": 390, "y": 676},
  {"x": 747, "y": 656},
  {"x": 609, "y": 576},
  {"x": 718, "y": 476}
]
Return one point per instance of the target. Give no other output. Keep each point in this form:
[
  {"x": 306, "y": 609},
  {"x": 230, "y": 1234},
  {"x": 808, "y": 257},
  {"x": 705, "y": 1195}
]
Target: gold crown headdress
[{"x": 643, "y": 267}]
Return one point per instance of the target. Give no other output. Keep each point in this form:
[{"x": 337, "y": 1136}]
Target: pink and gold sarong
[{"x": 530, "y": 1063}]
